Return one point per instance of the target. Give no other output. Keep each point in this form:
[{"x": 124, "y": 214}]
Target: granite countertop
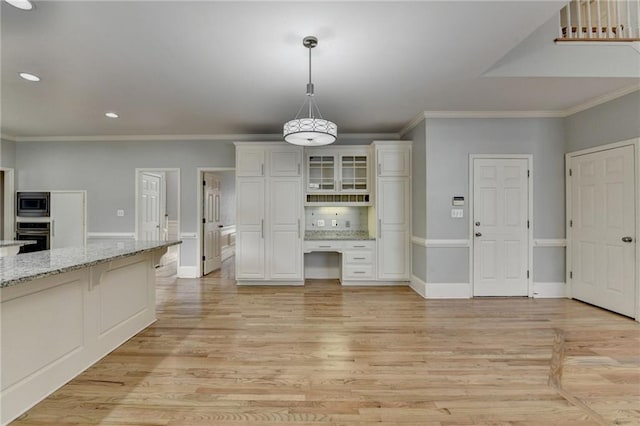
[
  {"x": 11, "y": 243},
  {"x": 337, "y": 235},
  {"x": 29, "y": 266}
]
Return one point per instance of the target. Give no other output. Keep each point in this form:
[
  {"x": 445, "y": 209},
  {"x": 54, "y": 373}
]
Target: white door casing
[
  {"x": 211, "y": 195},
  {"x": 500, "y": 227},
  {"x": 150, "y": 211},
  {"x": 602, "y": 231}
]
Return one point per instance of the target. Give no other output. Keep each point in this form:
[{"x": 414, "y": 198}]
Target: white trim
[
  {"x": 9, "y": 204},
  {"x": 199, "y": 209},
  {"x": 635, "y": 142},
  {"x": 187, "y": 272},
  {"x": 418, "y": 241},
  {"x": 372, "y": 283},
  {"x": 412, "y": 124},
  {"x": 270, "y": 283},
  {"x": 449, "y": 291},
  {"x": 600, "y": 99},
  {"x": 271, "y": 137},
  {"x": 529, "y": 158},
  {"x": 448, "y": 243},
  {"x": 549, "y": 290},
  {"x": 494, "y": 114},
  {"x": 188, "y": 235},
  {"x": 8, "y": 137},
  {"x": 112, "y": 235},
  {"x": 550, "y": 242},
  {"x": 418, "y": 286}
]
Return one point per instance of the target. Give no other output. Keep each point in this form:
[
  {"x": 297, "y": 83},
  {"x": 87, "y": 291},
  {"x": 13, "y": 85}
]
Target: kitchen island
[{"x": 62, "y": 310}]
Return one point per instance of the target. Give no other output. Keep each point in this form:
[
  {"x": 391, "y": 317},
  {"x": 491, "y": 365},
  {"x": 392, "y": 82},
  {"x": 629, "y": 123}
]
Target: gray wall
[
  {"x": 419, "y": 198},
  {"x": 106, "y": 170},
  {"x": 614, "y": 121},
  {"x": 172, "y": 182},
  {"x": 7, "y": 153},
  {"x": 228, "y": 202},
  {"x": 449, "y": 144}
]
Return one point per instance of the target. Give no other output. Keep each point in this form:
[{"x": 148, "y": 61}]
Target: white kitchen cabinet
[
  {"x": 338, "y": 170},
  {"x": 68, "y": 219},
  {"x": 250, "y": 216},
  {"x": 393, "y": 210},
  {"x": 269, "y": 229},
  {"x": 358, "y": 261},
  {"x": 251, "y": 162}
]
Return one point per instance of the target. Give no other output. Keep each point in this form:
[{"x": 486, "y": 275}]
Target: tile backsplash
[{"x": 347, "y": 218}]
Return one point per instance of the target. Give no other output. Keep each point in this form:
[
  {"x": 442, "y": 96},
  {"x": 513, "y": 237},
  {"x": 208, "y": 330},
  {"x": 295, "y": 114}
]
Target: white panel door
[
  {"x": 149, "y": 206},
  {"x": 211, "y": 224},
  {"x": 393, "y": 229},
  {"x": 603, "y": 231},
  {"x": 250, "y": 228},
  {"x": 500, "y": 214},
  {"x": 285, "y": 242}
]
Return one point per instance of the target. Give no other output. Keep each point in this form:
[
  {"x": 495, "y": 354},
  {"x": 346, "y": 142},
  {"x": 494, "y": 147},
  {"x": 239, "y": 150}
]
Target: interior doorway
[
  {"x": 500, "y": 225},
  {"x": 217, "y": 218},
  {"x": 602, "y": 232},
  {"x": 157, "y": 210}
]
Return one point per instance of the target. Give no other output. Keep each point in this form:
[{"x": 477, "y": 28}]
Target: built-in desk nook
[{"x": 64, "y": 309}]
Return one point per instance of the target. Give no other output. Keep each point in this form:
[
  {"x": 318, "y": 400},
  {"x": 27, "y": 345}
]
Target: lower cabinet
[{"x": 358, "y": 261}]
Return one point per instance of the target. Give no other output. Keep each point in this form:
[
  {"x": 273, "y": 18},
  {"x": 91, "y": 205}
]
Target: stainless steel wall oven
[{"x": 40, "y": 232}]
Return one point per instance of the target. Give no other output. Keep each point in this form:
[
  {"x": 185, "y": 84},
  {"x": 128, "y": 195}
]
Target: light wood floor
[{"x": 322, "y": 354}]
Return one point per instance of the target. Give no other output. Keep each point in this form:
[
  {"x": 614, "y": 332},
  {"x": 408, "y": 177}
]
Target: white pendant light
[{"x": 312, "y": 130}]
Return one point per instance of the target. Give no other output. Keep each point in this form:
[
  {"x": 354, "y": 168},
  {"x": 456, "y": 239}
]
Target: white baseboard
[
  {"x": 187, "y": 272},
  {"x": 418, "y": 286},
  {"x": 549, "y": 290},
  {"x": 111, "y": 235},
  {"x": 449, "y": 291},
  {"x": 270, "y": 283},
  {"x": 374, "y": 283}
]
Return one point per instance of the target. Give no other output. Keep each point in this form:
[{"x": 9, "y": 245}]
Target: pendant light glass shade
[{"x": 312, "y": 130}]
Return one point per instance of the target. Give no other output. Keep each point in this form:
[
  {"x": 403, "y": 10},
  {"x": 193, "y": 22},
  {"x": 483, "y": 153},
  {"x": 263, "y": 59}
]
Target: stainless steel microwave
[{"x": 33, "y": 204}]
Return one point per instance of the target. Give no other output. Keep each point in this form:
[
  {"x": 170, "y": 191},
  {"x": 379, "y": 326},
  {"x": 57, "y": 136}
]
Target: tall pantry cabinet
[
  {"x": 269, "y": 213},
  {"x": 393, "y": 209}
]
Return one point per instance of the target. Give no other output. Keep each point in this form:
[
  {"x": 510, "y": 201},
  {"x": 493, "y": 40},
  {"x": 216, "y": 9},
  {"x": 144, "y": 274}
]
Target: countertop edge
[{"x": 22, "y": 279}]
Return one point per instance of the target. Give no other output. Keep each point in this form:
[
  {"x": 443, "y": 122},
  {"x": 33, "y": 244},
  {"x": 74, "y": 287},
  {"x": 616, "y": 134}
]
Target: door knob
[
  {"x": 477, "y": 223},
  {"x": 478, "y": 234},
  {"x": 627, "y": 239}
]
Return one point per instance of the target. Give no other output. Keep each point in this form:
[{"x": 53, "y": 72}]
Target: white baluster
[
  {"x": 569, "y": 29},
  {"x": 609, "y": 19},
  {"x": 599, "y": 19},
  {"x": 618, "y": 21},
  {"x": 589, "y": 24},
  {"x": 579, "y": 13},
  {"x": 628, "y": 31}
]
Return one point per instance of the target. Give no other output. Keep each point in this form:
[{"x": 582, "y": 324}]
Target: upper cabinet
[
  {"x": 252, "y": 160},
  {"x": 338, "y": 170},
  {"x": 392, "y": 161}
]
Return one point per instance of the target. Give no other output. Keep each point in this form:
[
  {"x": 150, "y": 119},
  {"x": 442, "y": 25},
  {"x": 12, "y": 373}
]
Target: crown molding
[
  {"x": 413, "y": 123},
  {"x": 601, "y": 100},
  {"x": 493, "y": 114},
  {"x": 267, "y": 137}
]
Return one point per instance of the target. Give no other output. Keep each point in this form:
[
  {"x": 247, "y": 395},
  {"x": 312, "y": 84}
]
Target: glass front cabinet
[{"x": 336, "y": 170}]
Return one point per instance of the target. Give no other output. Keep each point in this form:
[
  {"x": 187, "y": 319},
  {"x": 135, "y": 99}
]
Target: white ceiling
[{"x": 194, "y": 68}]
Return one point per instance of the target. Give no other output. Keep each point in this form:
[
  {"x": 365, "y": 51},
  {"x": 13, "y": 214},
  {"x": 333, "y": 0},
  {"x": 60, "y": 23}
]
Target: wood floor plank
[{"x": 326, "y": 355}]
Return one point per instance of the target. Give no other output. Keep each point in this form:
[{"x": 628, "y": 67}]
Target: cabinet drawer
[
  {"x": 323, "y": 246},
  {"x": 366, "y": 244},
  {"x": 358, "y": 272},
  {"x": 358, "y": 257}
]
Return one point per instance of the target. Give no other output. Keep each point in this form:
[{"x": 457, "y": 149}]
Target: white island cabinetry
[{"x": 269, "y": 213}]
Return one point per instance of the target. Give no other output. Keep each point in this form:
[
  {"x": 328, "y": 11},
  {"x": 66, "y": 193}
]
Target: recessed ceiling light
[
  {"x": 111, "y": 114},
  {"x": 21, "y": 4},
  {"x": 28, "y": 76}
]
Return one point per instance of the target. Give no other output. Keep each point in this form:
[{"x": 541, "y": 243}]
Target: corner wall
[{"x": 419, "y": 200}]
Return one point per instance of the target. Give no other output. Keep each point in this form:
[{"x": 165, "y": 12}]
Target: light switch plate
[
  {"x": 457, "y": 213},
  {"x": 120, "y": 212},
  {"x": 320, "y": 223}
]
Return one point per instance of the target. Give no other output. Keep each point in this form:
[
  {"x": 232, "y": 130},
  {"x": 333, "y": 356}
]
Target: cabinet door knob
[
  {"x": 627, "y": 239},
  {"x": 478, "y": 234},
  {"x": 477, "y": 223}
]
